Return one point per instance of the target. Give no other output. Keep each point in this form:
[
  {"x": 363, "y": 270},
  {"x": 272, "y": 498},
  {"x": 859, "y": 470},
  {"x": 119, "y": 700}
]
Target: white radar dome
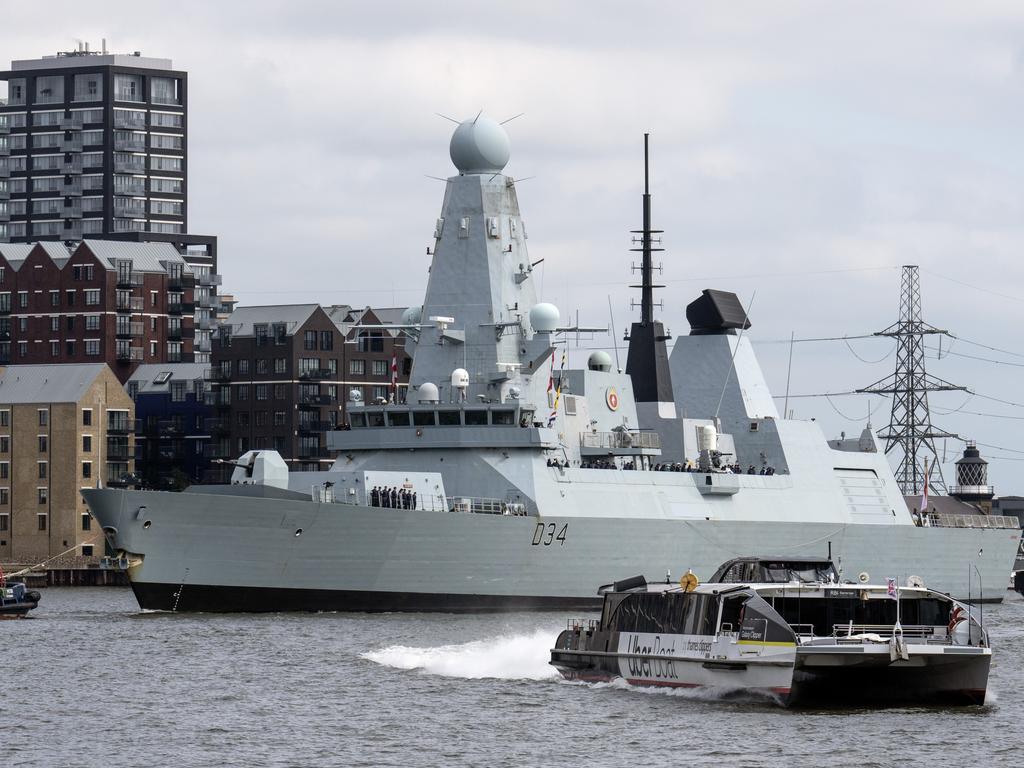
[
  {"x": 427, "y": 393},
  {"x": 412, "y": 316},
  {"x": 460, "y": 378},
  {"x": 544, "y": 317},
  {"x": 599, "y": 361},
  {"x": 479, "y": 146},
  {"x": 355, "y": 395}
]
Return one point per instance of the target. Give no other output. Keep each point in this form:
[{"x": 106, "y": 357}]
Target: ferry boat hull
[{"x": 218, "y": 551}]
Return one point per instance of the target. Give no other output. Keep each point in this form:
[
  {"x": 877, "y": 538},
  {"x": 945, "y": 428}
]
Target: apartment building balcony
[
  {"x": 129, "y": 330},
  {"x": 71, "y": 188},
  {"x": 126, "y": 279},
  {"x": 73, "y": 211},
  {"x": 73, "y": 144},
  {"x": 130, "y": 145},
  {"x": 120, "y": 424},
  {"x": 306, "y": 452},
  {"x": 118, "y": 451},
  {"x": 129, "y": 355},
  {"x": 128, "y": 225},
  {"x": 126, "y": 211},
  {"x": 122, "y": 120},
  {"x": 210, "y": 279},
  {"x": 219, "y": 450},
  {"x": 174, "y": 334},
  {"x": 5, "y": 172},
  {"x": 176, "y": 284},
  {"x": 306, "y": 402},
  {"x": 130, "y": 304},
  {"x": 4, "y": 150},
  {"x": 217, "y": 427},
  {"x": 5, "y": 215},
  {"x": 133, "y": 187},
  {"x": 316, "y": 374},
  {"x": 72, "y": 166},
  {"x": 5, "y": 309},
  {"x": 4, "y": 127},
  {"x": 208, "y": 302},
  {"x": 72, "y": 231},
  {"x": 73, "y": 123},
  {"x": 129, "y": 166},
  {"x": 315, "y": 427},
  {"x": 203, "y": 345}
]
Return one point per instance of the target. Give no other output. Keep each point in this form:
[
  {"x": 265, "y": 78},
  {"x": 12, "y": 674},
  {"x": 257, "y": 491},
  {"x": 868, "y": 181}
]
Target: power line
[
  {"x": 971, "y": 357},
  {"x": 975, "y": 287}
]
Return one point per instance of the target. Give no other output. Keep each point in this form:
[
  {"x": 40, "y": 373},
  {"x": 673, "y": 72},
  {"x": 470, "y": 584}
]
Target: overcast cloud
[{"x": 800, "y": 149}]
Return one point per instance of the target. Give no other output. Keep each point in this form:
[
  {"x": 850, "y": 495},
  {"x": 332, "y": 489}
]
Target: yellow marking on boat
[{"x": 774, "y": 644}]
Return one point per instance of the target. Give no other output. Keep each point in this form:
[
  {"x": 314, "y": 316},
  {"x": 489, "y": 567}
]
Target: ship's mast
[{"x": 646, "y": 248}]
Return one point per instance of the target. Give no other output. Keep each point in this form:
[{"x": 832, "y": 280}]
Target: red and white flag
[
  {"x": 394, "y": 377},
  {"x": 892, "y": 588},
  {"x": 551, "y": 375},
  {"x": 924, "y": 496}
]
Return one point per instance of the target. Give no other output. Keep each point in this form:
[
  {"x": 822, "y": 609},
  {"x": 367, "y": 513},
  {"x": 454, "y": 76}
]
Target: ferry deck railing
[{"x": 939, "y": 520}]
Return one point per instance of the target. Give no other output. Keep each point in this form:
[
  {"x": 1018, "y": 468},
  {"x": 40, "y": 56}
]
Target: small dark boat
[{"x": 15, "y": 600}]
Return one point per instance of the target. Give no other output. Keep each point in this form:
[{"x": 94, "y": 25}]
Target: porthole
[
  {"x": 147, "y": 524},
  {"x": 298, "y": 531}
]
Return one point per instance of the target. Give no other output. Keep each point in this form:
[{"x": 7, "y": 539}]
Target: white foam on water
[
  {"x": 517, "y": 657},
  {"x": 700, "y": 693}
]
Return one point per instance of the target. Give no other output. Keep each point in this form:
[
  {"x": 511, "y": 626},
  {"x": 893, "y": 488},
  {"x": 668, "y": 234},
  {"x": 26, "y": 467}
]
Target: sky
[{"x": 802, "y": 152}]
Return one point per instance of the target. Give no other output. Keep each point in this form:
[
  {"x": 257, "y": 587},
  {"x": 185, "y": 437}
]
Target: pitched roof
[
  {"x": 149, "y": 379},
  {"x": 243, "y": 319},
  {"x": 145, "y": 257},
  {"x": 16, "y": 253},
  {"x": 64, "y": 383}
]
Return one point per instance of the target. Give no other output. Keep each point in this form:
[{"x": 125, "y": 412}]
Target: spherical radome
[
  {"x": 544, "y": 317},
  {"x": 460, "y": 378},
  {"x": 599, "y": 361},
  {"x": 479, "y": 146},
  {"x": 427, "y": 393},
  {"x": 412, "y": 316}
]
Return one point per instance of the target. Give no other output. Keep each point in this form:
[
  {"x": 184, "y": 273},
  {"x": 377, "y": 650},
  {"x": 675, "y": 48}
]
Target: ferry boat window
[
  {"x": 732, "y": 610},
  {"x": 398, "y": 418},
  {"x": 375, "y": 418},
  {"x": 357, "y": 420},
  {"x": 735, "y": 573},
  {"x": 504, "y": 418},
  {"x": 671, "y": 612},
  {"x": 423, "y": 418},
  {"x": 448, "y": 418},
  {"x": 476, "y": 418}
]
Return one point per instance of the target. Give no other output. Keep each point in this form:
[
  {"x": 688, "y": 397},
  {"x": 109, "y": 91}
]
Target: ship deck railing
[
  {"x": 938, "y": 520},
  {"x": 479, "y": 505},
  {"x": 855, "y": 634}
]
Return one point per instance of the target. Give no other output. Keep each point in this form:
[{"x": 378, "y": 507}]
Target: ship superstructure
[{"x": 508, "y": 479}]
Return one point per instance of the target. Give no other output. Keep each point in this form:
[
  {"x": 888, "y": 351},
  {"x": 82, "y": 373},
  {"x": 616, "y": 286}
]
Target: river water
[{"x": 93, "y": 681}]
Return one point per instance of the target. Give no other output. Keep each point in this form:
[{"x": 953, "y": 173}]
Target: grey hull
[{"x": 202, "y": 551}]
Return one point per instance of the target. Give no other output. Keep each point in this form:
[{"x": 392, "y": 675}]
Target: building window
[
  {"x": 92, "y": 296},
  {"x": 92, "y": 322},
  {"x": 380, "y": 367},
  {"x": 280, "y": 391},
  {"x": 278, "y": 418},
  {"x": 165, "y": 90},
  {"x": 5, "y": 470},
  {"x": 262, "y": 392},
  {"x": 42, "y": 443},
  {"x": 243, "y": 392},
  {"x": 326, "y": 340},
  {"x": 42, "y": 469},
  {"x": 92, "y": 347},
  {"x": 42, "y": 494},
  {"x": 261, "y": 418},
  {"x": 128, "y": 87},
  {"x": 262, "y": 366},
  {"x": 87, "y": 550},
  {"x": 54, "y": 298},
  {"x": 86, "y": 521},
  {"x": 4, "y": 525},
  {"x": 41, "y": 519},
  {"x": 87, "y": 469},
  {"x": 5, "y": 444},
  {"x": 87, "y": 417},
  {"x": 54, "y": 349},
  {"x": 243, "y": 367},
  {"x": 178, "y": 389},
  {"x": 280, "y": 365},
  {"x": 23, "y": 299},
  {"x": 357, "y": 367},
  {"x": 70, "y": 295},
  {"x": 70, "y": 348},
  {"x": 86, "y": 443},
  {"x": 22, "y": 349},
  {"x": 44, "y": 417},
  {"x": 5, "y": 418},
  {"x": 243, "y": 418},
  {"x": 309, "y": 340},
  {"x": 280, "y": 333}
]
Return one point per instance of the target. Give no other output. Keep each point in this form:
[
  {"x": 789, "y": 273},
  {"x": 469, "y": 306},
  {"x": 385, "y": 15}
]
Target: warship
[{"x": 508, "y": 480}]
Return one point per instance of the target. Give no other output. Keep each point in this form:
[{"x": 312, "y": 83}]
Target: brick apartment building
[
  {"x": 122, "y": 303},
  {"x": 61, "y": 429},
  {"x": 281, "y": 377}
]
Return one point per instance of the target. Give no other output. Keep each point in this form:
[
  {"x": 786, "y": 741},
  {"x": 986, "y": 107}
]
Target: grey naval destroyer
[{"x": 535, "y": 483}]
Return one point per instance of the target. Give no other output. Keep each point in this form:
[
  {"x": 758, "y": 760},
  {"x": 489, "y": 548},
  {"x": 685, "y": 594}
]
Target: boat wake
[
  {"x": 702, "y": 693},
  {"x": 517, "y": 657}
]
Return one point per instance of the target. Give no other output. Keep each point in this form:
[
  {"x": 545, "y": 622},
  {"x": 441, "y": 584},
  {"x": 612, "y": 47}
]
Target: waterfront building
[
  {"x": 93, "y": 143},
  {"x": 281, "y": 377},
  {"x": 172, "y": 424},
  {"x": 103, "y": 301},
  {"x": 61, "y": 429}
]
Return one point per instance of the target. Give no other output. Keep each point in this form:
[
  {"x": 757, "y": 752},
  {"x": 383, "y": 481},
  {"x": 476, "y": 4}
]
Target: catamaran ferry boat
[
  {"x": 793, "y": 632},
  {"x": 532, "y": 480}
]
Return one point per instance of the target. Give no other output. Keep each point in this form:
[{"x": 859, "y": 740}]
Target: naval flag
[{"x": 892, "y": 588}]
